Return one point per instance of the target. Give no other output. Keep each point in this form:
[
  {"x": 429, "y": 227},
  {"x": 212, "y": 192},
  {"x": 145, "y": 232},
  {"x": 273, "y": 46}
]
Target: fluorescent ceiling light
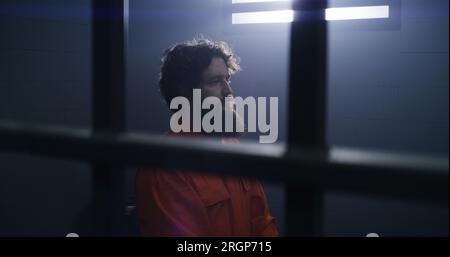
[
  {"x": 263, "y": 17},
  {"x": 357, "y": 13},
  {"x": 256, "y": 1},
  {"x": 338, "y": 13}
]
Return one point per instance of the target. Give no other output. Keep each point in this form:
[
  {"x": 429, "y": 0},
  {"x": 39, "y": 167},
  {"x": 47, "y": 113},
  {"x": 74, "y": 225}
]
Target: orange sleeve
[
  {"x": 263, "y": 223},
  {"x": 168, "y": 206}
]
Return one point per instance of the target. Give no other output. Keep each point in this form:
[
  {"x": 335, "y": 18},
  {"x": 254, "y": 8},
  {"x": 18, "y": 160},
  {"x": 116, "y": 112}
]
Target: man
[{"x": 185, "y": 203}]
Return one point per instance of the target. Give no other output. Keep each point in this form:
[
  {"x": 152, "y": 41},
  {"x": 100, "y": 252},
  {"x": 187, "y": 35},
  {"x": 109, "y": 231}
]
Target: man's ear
[
  {"x": 187, "y": 91},
  {"x": 178, "y": 91}
]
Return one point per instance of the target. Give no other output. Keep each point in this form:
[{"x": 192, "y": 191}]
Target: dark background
[{"x": 388, "y": 90}]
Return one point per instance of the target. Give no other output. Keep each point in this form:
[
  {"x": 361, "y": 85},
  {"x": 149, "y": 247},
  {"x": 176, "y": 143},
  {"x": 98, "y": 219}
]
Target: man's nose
[{"x": 227, "y": 90}]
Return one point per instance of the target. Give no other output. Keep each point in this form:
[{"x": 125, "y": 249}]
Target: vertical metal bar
[
  {"x": 108, "y": 52},
  {"x": 304, "y": 211},
  {"x": 307, "y": 91},
  {"x": 307, "y": 109}
]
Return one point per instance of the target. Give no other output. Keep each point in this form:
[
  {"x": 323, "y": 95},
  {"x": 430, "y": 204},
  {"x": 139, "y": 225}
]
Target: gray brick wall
[{"x": 45, "y": 80}]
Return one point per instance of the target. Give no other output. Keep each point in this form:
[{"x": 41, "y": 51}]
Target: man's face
[{"x": 216, "y": 80}]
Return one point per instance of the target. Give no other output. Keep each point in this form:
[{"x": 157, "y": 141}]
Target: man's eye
[{"x": 214, "y": 82}]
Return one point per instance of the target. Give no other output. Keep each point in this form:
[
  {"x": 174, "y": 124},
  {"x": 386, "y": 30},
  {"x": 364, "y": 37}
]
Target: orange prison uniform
[{"x": 192, "y": 204}]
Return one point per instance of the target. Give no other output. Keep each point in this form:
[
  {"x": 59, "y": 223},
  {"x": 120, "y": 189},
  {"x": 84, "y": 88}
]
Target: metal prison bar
[
  {"x": 308, "y": 166},
  {"x": 416, "y": 178}
]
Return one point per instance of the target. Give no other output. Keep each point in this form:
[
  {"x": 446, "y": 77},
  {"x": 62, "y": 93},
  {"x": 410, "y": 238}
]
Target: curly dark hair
[{"x": 182, "y": 65}]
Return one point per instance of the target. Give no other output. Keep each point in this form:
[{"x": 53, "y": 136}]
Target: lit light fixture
[
  {"x": 331, "y": 14},
  {"x": 357, "y": 13},
  {"x": 256, "y": 1},
  {"x": 282, "y": 16}
]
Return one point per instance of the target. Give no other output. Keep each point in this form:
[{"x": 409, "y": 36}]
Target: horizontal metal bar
[{"x": 407, "y": 176}]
